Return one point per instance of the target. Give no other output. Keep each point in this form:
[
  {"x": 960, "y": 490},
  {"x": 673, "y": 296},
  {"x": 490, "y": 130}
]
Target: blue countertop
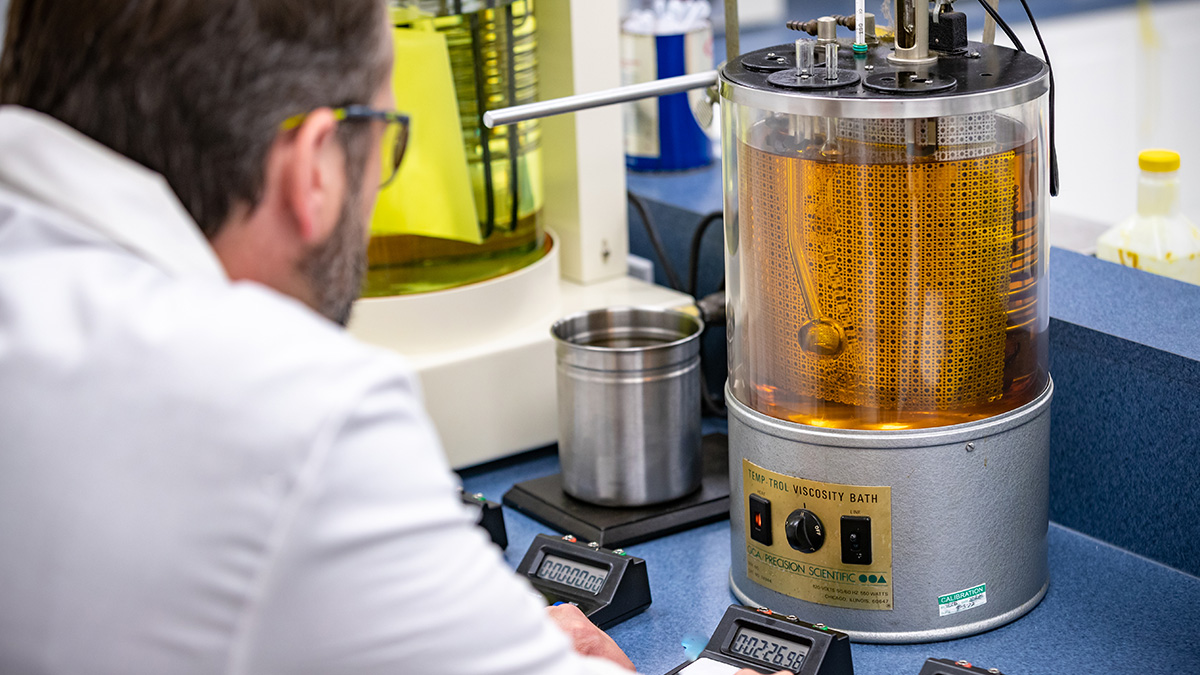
[
  {"x": 1126, "y": 303},
  {"x": 1107, "y": 610}
]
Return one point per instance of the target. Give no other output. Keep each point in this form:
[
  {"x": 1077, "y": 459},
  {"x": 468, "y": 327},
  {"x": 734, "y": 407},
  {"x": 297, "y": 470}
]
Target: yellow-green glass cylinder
[{"x": 493, "y": 58}]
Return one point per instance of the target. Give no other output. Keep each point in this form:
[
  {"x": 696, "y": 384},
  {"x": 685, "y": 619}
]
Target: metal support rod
[
  {"x": 485, "y": 137},
  {"x": 989, "y": 24},
  {"x": 569, "y": 104},
  {"x": 732, "y": 37},
  {"x": 514, "y": 134}
]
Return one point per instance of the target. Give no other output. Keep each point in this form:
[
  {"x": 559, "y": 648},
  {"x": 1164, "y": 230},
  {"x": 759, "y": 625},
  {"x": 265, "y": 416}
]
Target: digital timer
[
  {"x": 573, "y": 574},
  {"x": 766, "y": 642},
  {"x": 762, "y": 647},
  {"x": 607, "y": 586}
]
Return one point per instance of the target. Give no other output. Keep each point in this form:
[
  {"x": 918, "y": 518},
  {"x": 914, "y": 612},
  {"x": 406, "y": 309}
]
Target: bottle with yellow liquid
[{"x": 1158, "y": 239}]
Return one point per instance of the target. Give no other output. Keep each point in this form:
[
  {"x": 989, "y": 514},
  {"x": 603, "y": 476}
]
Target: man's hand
[{"x": 588, "y": 640}]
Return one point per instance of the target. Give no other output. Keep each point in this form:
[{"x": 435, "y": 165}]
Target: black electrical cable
[
  {"x": 694, "y": 256},
  {"x": 1046, "y": 55},
  {"x": 1003, "y": 26},
  {"x": 712, "y": 405},
  {"x": 656, "y": 242},
  {"x": 712, "y": 312}
]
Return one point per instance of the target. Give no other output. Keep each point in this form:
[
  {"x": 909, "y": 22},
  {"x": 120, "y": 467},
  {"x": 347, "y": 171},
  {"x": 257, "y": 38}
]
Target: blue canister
[{"x": 662, "y": 134}]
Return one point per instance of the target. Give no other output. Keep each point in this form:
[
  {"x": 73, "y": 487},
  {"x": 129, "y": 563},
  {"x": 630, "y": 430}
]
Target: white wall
[
  {"x": 1126, "y": 81},
  {"x": 750, "y": 12}
]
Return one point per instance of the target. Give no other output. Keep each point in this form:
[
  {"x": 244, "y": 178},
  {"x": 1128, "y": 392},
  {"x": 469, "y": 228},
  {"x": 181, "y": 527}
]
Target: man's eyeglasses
[{"x": 395, "y": 133}]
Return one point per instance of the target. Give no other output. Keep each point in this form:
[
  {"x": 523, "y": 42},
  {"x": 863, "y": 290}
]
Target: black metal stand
[{"x": 543, "y": 500}]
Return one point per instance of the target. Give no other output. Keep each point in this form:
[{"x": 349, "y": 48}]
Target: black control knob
[{"x": 805, "y": 532}]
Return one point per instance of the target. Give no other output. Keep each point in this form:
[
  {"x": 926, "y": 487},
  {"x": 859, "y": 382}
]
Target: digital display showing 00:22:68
[{"x": 768, "y": 649}]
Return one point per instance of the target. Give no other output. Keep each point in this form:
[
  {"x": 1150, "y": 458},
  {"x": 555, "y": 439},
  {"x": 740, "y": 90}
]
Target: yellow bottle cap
[{"x": 1159, "y": 161}]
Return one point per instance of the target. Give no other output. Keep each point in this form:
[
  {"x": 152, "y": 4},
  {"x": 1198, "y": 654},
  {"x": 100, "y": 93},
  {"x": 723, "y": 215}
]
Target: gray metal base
[{"x": 969, "y": 507}]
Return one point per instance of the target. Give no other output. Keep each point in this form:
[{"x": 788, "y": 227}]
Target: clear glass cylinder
[
  {"x": 493, "y": 57},
  {"x": 886, "y": 273}
]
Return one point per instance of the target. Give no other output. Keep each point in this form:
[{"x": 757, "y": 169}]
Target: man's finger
[{"x": 588, "y": 640}]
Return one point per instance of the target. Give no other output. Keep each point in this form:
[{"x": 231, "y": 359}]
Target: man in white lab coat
[{"x": 200, "y": 471}]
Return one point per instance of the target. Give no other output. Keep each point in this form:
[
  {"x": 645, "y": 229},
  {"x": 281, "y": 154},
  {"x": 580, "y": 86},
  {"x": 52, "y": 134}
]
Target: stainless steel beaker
[{"x": 629, "y": 405}]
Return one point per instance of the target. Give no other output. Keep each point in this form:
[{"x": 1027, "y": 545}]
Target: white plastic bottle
[{"x": 1159, "y": 239}]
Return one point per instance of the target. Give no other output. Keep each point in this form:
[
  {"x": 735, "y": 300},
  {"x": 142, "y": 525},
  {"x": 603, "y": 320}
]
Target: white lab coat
[{"x": 199, "y": 476}]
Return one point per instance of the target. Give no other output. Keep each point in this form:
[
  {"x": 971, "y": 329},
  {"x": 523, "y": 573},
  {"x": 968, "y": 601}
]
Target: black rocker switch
[
  {"x": 760, "y": 520},
  {"x": 856, "y": 540}
]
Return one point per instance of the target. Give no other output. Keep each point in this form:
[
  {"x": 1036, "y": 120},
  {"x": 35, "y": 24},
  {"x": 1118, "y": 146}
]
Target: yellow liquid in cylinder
[
  {"x": 491, "y": 71},
  {"x": 927, "y": 267}
]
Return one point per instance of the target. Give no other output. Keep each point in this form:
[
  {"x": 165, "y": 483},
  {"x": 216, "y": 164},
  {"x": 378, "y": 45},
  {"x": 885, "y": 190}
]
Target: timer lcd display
[
  {"x": 570, "y": 573},
  {"x": 768, "y": 649}
]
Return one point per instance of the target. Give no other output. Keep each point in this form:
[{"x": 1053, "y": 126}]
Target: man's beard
[{"x": 336, "y": 268}]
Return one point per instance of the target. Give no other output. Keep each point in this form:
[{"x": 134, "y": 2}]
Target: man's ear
[{"x": 314, "y": 177}]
